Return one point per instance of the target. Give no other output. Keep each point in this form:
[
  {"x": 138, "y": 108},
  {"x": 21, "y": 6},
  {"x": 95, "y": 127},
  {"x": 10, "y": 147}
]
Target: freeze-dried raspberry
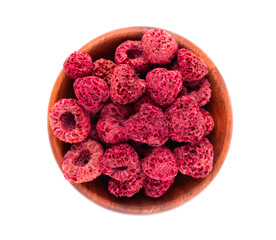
[
  {"x": 156, "y": 188},
  {"x": 120, "y": 162},
  {"x": 78, "y": 64},
  {"x": 82, "y": 162},
  {"x": 69, "y": 121},
  {"x": 144, "y": 99},
  {"x": 159, "y": 46},
  {"x": 111, "y": 131},
  {"x": 91, "y": 92},
  {"x": 148, "y": 126},
  {"x": 160, "y": 164},
  {"x": 203, "y": 93},
  {"x": 126, "y": 87},
  {"x": 185, "y": 120},
  {"x": 116, "y": 111},
  {"x": 163, "y": 85},
  {"x": 190, "y": 66},
  {"x": 103, "y": 68},
  {"x": 208, "y": 121},
  {"x": 195, "y": 159},
  {"x": 126, "y": 188},
  {"x": 131, "y": 53}
]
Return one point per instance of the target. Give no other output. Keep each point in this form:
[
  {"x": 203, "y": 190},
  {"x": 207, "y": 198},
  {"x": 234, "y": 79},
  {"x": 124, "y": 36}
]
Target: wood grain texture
[{"x": 185, "y": 187}]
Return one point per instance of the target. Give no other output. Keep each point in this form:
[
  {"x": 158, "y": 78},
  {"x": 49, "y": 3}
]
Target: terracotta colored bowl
[{"x": 184, "y": 187}]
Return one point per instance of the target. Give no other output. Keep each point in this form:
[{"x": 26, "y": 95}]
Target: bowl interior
[{"x": 185, "y": 187}]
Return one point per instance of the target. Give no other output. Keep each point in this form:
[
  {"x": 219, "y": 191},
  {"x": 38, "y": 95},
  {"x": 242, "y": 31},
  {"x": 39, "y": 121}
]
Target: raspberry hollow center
[
  {"x": 82, "y": 159},
  {"x": 67, "y": 120},
  {"x": 134, "y": 53}
]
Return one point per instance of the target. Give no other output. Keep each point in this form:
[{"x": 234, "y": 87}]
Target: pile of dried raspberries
[{"x": 126, "y": 110}]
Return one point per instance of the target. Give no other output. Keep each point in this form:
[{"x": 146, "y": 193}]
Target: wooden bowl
[{"x": 184, "y": 187}]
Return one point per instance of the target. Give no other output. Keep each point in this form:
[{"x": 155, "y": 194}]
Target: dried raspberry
[
  {"x": 120, "y": 162},
  {"x": 116, "y": 110},
  {"x": 131, "y": 53},
  {"x": 163, "y": 85},
  {"x": 78, "y": 64},
  {"x": 190, "y": 66},
  {"x": 195, "y": 159},
  {"x": 69, "y": 121},
  {"x": 111, "y": 131},
  {"x": 126, "y": 87},
  {"x": 208, "y": 121},
  {"x": 156, "y": 188},
  {"x": 103, "y": 68},
  {"x": 144, "y": 99},
  {"x": 160, "y": 164},
  {"x": 185, "y": 120},
  {"x": 126, "y": 188},
  {"x": 203, "y": 94},
  {"x": 159, "y": 46},
  {"x": 91, "y": 92},
  {"x": 82, "y": 162},
  {"x": 148, "y": 126}
]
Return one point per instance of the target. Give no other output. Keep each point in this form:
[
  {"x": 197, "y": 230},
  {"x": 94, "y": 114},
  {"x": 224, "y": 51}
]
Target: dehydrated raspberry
[
  {"x": 159, "y": 46},
  {"x": 78, "y": 64},
  {"x": 82, "y": 162},
  {"x": 120, "y": 162},
  {"x": 116, "y": 110},
  {"x": 160, "y": 164},
  {"x": 185, "y": 120},
  {"x": 103, "y": 68},
  {"x": 190, "y": 66},
  {"x": 163, "y": 85},
  {"x": 203, "y": 92},
  {"x": 208, "y": 121},
  {"x": 126, "y": 188},
  {"x": 156, "y": 188},
  {"x": 111, "y": 131},
  {"x": 131, "y": 53},
  {"x": 69, "y": 121},
  {"x": 195, "y": 159},
  {"x": 144, "y": 99},
  {"x": 148, "y": 126},
  {"x": 126, "y": 87},
  {"x": 91, "y": 92}
]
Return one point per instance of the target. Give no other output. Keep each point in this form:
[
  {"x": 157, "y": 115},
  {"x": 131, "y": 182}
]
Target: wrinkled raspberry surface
[
  {"x": 156, "y": 188},
  {"x": 126, "y": 87},
  {"x": 208, "y": 121},
  {"x": 195, "y": 159},
  {"x": 69, "y": 121},
  {"x": 91, "y": 92},
  {"x": 116, "y": 110},
  {"x": 131, "y": 53},
  {"x": 126, "y": 188},
  {"x": 82, "y": 162},
  {"x": 120, "y": 162},
  {"x": 149, "y": 126},
  {"x": 163, "y": 85},
  {"x": 78, "y": 64},
  {"x": 103, "y": 68},
  {"x": 159, "y": 46},
  {"x": 203, "y": 92},
  {"x": 160, "y": 164},
  {"x": 144, "y": 99}
]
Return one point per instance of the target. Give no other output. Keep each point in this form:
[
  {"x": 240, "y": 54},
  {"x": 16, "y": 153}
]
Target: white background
[{"x": 37, "y": 203}]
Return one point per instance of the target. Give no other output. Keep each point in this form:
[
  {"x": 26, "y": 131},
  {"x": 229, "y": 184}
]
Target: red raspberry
[
  {"x": 185, "y": 121},
  {"x": 148, "y": 126},
  {"x": 82, "y": 162},
  {"x": 163, "y": 85},
  {"x": 190, "y": 66},
  {"x": 203, "y": 94},
  {"x": 159, "y": 46},
  {"x": 126, "y": 188},
  {"x": 126, "y": 87},
  {"x": 120, "y": 162},
  {"x": 103, "y": 68},
  {"x": 131, "y": 53},
  {"x": 78, "y": 64},
  {"x": 91, "y": 92},
  {"x": 111, "y": 131},
  {"x": 160, "y": 164},
  {"x": 208, "y": 121},
  {"x": 116, "y": 111},
  {"x": 144, "y": 99},
  {"x": 195, "y": 159},
  {"x": 69, "y": 121},
  {"x": 156, "y": 188}
]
